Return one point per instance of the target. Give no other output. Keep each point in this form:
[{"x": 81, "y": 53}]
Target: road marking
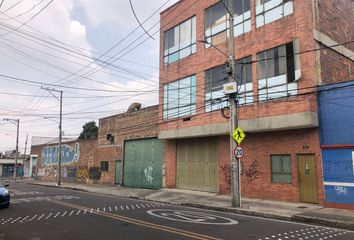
[
  {"x": 115, "y": 207},
  {"x": 121, "y": 207},
  {"x": 57, "y": 214},
  {"x": 71, "y": 213},
  {"x": 40, "y": 217},
  {"x": 78, "y": 212},
  {"x": 49, "y": 215},
  {"x": 191, "y": 217},
  {"x": 110, "y": 209},
  {"x": 143, "y": 223},
  {"x": 64, "y": 213}
]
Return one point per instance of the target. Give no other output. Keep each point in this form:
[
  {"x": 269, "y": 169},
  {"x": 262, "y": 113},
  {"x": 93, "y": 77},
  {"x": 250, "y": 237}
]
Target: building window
[
  {"x": 180, "y": 98},
  {"x": 281, "y": 168},
  {"x": 278, "y": 69},
  {"x": 180, "y": 41},
  {"x": 268, "y": 11},
  {"x": 104, "y": 166},
  {"x": 216, "y": 21},
  {"x": 243, "y": 68},
  {"x": 215, "y": 78}
]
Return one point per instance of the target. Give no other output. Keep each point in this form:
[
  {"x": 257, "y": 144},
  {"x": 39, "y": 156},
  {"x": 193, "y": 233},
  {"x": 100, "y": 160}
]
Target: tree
[{"x": 89, "y": 130}]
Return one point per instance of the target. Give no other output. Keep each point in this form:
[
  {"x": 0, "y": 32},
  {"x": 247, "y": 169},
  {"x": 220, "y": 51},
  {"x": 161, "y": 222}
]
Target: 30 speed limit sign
[{"x": 238, "y": 151}]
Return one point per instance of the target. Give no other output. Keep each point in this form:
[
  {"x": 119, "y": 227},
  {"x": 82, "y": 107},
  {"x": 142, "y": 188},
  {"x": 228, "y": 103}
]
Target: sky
[{"x": 93, "y": 51}]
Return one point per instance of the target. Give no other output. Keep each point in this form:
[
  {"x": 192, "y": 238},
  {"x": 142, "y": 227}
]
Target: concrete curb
[
  {"x": 324, "y": 222},
  {"x": 293, "y": 218}
]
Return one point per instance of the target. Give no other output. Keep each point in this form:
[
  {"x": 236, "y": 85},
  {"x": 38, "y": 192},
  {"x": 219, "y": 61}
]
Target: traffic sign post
[
  {"x": 238, "y": 152},
  {"x": 238, "y": 135}
]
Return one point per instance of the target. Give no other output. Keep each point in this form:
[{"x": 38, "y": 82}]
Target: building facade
[
  {"x": 129, "y": 148},
  {"x": 336, "y": 113},
  {"x": 279, "y": 65}
]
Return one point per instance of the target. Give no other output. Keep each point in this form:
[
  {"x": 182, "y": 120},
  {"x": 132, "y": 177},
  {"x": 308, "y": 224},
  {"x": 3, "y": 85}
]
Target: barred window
[
  {"x": 281, "y": 168},
  {"x": 104, "y": 166}
]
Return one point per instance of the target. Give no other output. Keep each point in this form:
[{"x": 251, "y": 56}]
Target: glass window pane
[
  {"x": 185, "y": 34},
  {"x": 218, "y": 18},
  {"x": 261, "y": 66}
]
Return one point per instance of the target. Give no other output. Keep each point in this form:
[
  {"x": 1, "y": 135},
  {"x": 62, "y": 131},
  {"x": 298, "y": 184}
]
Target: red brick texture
[
  {"x": 126, "y": 126},
  {"x": 335, "y": 19},
  {"x": 258, "y": 146}
]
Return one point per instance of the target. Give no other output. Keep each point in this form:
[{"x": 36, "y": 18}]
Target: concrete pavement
[{"x": 299, "y": 212}]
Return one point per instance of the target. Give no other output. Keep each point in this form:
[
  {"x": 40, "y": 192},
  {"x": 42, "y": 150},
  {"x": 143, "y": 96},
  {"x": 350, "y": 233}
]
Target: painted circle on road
[{"x": 191, "y": 217}]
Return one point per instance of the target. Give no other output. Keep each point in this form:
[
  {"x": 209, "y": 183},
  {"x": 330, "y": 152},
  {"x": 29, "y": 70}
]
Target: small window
[
  {"x": 281, "y": 168},
  {"x": 104, "y": 165}
]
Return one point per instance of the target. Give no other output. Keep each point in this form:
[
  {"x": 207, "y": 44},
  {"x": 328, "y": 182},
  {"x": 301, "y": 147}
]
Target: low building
[
  {"x": 129, "y": 150},
  {"x": 77, "y": 154}
]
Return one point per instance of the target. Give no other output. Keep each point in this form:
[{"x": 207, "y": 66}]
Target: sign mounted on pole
[
  {"x": 238, "y": 135},
  {"x": 238, "y": 151}
]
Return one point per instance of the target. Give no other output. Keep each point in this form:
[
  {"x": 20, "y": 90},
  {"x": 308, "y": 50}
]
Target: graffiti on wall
[
  {"x": 226, "y": 169},
  {"x": 341, "y": 190},
  {"x": 71, "y": 171},
  {"x": 148, "y": 174},
  {"x": 94, "y": 173},
  {"x": 252, "y": 172},
  {"x": 82, "y": 172},
  {"x": 69, "y": 155}
]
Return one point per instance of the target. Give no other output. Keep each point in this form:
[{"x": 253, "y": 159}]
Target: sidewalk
[{"x": 299, "y": 212}]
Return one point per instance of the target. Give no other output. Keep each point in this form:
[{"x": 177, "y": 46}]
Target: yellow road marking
[{"x": 140, "y": 222}]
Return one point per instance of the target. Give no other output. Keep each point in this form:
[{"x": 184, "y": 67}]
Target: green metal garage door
[
  {"x": 143, "y": 163},
  {"x": 197, "y": 164}
]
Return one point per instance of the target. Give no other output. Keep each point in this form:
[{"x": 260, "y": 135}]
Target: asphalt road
[{"x": 38, "y": 213}]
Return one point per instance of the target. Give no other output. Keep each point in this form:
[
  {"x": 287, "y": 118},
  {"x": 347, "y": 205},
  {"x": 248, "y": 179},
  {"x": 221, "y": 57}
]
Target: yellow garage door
[{"x": 197, "y": 164}]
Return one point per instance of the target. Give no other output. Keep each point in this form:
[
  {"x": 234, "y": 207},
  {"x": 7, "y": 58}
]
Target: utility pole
[
  {"x": 235, "y": 165},
  {"x": 17, "y": 123},
  {"x": 24, "y": 156},
  {"x": 60, "y": 128}
]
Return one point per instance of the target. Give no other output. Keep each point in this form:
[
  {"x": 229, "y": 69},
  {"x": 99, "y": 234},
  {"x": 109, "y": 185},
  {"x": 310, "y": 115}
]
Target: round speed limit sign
[{"x": 238, "y": 151}]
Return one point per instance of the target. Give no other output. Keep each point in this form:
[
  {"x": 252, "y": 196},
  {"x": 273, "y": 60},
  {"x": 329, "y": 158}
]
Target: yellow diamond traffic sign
[{"x": 238, "y": 135}]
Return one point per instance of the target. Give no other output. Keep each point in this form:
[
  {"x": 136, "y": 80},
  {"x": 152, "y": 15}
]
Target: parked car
[{"x": 4, "y": 195}]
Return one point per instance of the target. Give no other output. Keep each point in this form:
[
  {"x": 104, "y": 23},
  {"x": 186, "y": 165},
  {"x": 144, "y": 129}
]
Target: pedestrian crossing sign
[{"x": 238, "y": 135}]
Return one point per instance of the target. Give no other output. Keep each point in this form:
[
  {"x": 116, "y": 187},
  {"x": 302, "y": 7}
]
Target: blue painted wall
[
  {"x": 336, "y": 116},
  {"x": 336, "y": 113}
]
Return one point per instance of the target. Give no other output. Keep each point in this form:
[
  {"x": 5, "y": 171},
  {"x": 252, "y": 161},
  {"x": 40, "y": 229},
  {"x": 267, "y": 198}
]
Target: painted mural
[{"x": 69, "y": 155}]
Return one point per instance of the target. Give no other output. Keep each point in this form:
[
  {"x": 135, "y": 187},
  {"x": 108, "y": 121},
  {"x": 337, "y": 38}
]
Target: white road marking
[
  {"x": 110, "y": 209},
  {"x": 64, "y": 213},
  {"x": 121, "y": 207},
  {"x": 40, "y": 217},
  {"x": 115, "y": 207},
  {"x": 127, "y": 207},
  {"x": 71, "y": 213},
  {"x": 57, "y": 214},
  {"x": 49, "y": 215},
  {"x": 78, "y": 212}
]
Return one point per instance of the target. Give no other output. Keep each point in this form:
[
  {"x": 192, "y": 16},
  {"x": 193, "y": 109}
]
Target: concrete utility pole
[
  {"x": 235, "y": 165},
  {"x": 60, "y": 128},
  {"x": 17, "y": 122},
  {"x": 24, "y": 156}
]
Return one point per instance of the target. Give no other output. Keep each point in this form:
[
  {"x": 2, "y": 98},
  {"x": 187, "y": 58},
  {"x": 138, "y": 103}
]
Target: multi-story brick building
[{"x": 278, "y": 68}]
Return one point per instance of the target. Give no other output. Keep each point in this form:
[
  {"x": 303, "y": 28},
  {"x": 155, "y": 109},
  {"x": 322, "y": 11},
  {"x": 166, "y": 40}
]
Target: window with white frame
[
  {"x": 180, "y": 98},
  {"x": 216, "y": 21},
  {"x": 278, "y": 69},
  {"x": 268, "y": 11},
  {"x": 243, "y": 71},
  {"x": 180, "y": 41}
]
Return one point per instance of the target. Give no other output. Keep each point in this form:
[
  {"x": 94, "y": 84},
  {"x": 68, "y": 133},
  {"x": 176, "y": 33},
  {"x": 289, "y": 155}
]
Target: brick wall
[
  {"x": 299, "y": 26},
  {"x": 126, "y": 126},
  {"x": 335, "y": 19},
  {"x": 75, "y": 171}
]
